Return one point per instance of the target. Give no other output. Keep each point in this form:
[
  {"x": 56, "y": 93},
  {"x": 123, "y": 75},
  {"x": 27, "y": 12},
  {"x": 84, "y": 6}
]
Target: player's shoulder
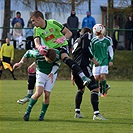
[{"x": 94, "y": 39}]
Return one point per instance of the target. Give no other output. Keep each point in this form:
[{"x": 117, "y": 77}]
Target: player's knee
[
  {"x": 93, "y": 87},
  {"x": 31, "y": 70}
]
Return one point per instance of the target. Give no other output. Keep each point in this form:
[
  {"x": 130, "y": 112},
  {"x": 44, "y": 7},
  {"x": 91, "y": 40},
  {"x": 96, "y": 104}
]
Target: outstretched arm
[
  {"x": 67, "y": 34},
  {"x": 19, "y": 64}
]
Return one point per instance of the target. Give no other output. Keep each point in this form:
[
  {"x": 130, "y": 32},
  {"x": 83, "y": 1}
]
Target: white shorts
[
  {"x": 100, "y": 70},
  {"x": 44, "y": 81}
]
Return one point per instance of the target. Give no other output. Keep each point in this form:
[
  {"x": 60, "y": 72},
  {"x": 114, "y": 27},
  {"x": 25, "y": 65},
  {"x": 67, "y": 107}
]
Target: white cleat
[
  {"x": 77, "y": 115},
  {"x": 98, "y": 117},
  {"x": 23, "y": 101}
]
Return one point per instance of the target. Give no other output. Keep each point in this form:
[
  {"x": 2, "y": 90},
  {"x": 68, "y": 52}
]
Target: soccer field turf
[{"x": 116, "y": 108}]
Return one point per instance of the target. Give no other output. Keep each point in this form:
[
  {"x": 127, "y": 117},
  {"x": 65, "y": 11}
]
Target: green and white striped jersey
[
  {"x": 102, "y": 50},
  {"x": 41, "y": 64}
]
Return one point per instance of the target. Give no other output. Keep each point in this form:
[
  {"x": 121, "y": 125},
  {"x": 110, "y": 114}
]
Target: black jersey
[{"x": 81, "y": 51}]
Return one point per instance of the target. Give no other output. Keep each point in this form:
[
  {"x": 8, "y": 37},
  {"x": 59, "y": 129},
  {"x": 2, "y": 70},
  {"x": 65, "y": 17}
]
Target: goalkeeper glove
[{"x": 42, "y": 50}]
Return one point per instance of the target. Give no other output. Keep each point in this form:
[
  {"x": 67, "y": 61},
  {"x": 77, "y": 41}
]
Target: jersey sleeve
[
  {"x": 30, "y": 54},
  {"x": 36, "y": 33},
  {"x": 57, "y": 25}
]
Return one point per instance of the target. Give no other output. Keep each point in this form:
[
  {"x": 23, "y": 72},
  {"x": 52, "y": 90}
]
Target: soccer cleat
[
  {"x": 26, "y": 116},
  {"x": 98, "y": 117},
  {"x": 78, "y": 115},
  {"x": 86, "y": 80},
  {"x": 103, "y": 95},
  {"x": 24, "y": 100},
  {"x": 99, "y": 94},
  {"x": 107, "y": 88},
  {"x": 41, "y": 118}
]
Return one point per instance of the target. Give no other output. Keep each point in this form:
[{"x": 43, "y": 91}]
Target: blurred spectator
[
  {"x": 29, "y": 36},
  {"x": 18, "y": 19},
  {"x": 6, "y": 57},
  {"x": 18, "y": 34},
  {"x": 88, "y": 21},
  {"x": 128, "y": 34},
  {"x": 115, "y": 37},
  {"x": 14, "y": 21},
  {"x": 72, "y": 25}
]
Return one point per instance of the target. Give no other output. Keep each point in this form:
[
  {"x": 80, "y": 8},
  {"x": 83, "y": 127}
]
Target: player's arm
[
  {"x": 28, "y": 54},
  {"x": 67, "y": 33},
  {"x": 54, "y": 70},
  {"x": 42, "y": 49},
  {"x": 111, "y": 54},
  {"x": 19, "y": 64}
]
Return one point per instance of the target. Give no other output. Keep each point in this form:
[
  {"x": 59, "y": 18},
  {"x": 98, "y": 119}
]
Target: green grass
[{"x": 116, "y": 107}]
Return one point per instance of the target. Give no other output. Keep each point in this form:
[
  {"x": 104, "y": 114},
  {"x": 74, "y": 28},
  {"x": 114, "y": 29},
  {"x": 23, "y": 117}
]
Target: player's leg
[
  {"x": 32, "y": 102},
  {"x": 96, "y": 73},
  {"x": 94, "y": 99},
  {"x": 103, "y": 72},
  {"x": 46, "y": 97},
  {"x": 45, "y": 105},
  {"x": 31, "y": 83},
  {"x": 73, "y": 65},
  {"x": 40, "y": 82},
  {"x": 79, "y": 95}
]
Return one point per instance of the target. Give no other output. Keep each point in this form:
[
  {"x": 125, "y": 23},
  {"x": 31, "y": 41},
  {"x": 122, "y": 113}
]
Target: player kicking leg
[{"x": 31, "y": 83}]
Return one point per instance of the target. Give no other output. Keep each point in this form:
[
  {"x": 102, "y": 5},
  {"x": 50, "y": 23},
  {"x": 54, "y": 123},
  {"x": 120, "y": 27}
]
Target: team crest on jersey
[
  {"x": 104, "y": 44},
  {"x": 51, "y": 30}
]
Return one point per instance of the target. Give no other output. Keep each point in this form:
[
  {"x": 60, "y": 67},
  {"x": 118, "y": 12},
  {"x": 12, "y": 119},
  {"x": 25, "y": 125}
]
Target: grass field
[{"x": 116, "y": 107}]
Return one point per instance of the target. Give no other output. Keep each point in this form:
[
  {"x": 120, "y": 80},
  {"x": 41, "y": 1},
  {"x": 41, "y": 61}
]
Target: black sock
[
  {"x": 31, "y": 81},
  {"x": 12, "y": 74},
  {"x": 72, "y": 64},
  {"x": 78, "y": 100},
  {"x": 0, "y": 73},
  {"x": 94, "y": 100}
]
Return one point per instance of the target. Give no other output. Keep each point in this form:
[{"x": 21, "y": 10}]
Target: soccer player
[
  {"x": 54, "y": 35},
  {"x": 103, "y": 53},
  {"x": 81, "y": 53},
  {"x": 46, "y": 74}
]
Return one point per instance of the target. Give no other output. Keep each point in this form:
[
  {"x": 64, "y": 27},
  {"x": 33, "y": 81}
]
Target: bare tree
[
  {"x": 110, "y": 16},
  {"x": 6, "y": 24}
]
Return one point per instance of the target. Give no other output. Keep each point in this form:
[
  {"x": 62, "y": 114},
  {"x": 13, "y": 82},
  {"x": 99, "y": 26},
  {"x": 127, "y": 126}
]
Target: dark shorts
[
  {"x": 5, "y": 59},
  {"x": 63, "y": 49},
  {"x": 88, "y": 72}
]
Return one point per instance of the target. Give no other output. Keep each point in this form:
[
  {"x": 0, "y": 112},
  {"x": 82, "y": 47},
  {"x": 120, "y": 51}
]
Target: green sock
[
  {"x": 29, "y": 95},
  {"x": 31, "y": 104},
  {"x": 104, "y": 86},
  {"x": 44, "y": 109}
]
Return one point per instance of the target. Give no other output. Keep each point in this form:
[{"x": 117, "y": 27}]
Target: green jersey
[
  {"x": 101, "y": 49},
  {"x": 41, "y": 64},
  {"x": 51, "y": 32}
]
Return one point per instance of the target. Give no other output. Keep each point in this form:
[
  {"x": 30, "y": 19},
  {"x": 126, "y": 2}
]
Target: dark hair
[
  {"x": 85, "y": 30},
  {"x": 18, "y": 13},
  {"x": 51, "y": 54},
  {"x": 37, "y": 14}
]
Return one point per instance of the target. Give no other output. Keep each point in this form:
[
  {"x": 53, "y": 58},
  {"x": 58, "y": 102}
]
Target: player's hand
[
  {"x": 60, "y": 40},
  {"x": 42, "y": 50},
  {"x": 51, "y": 77},
  {"x": 31, "y": 70},
  {"x": 110, "y": 63},
  {"x": 72, "y": 79},
  {"x": 17, "y": 65}
]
